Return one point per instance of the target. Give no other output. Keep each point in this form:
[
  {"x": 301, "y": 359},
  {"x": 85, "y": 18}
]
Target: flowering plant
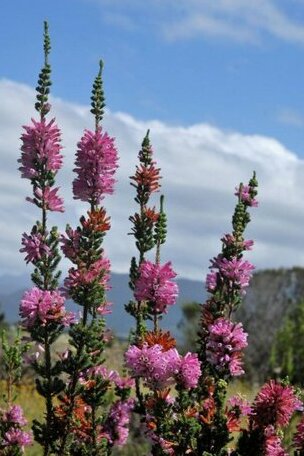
[{"x": 179, "y": 399}]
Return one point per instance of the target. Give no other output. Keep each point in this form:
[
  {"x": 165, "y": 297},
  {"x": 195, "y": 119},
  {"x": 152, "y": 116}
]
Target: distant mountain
[{"x": 119, "y": 295}]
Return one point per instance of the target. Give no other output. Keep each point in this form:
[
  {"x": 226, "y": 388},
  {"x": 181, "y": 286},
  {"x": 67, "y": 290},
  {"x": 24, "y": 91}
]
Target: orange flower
[
  {"x": 151, "y": 425},
  {"x": 97, "y": 221},
  {"x": 161, "y": 338},
  {"x": 148, "y": 177},
  {"x": 151, "y": 214},
  {"x": 191, "y": 412}
]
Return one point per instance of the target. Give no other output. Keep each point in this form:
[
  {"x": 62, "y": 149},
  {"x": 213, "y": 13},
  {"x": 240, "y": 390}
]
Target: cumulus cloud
[
  {"x": 236, "y": 20},
  {"x": 201, "y": 165}
]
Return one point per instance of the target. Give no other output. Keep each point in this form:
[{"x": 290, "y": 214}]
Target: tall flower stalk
[
  {"x": 152, "y": 357},
  {"x": 85, "y": 424},
  {"x": 42, "y": 308},
  {"x": 222, "y": 340}
]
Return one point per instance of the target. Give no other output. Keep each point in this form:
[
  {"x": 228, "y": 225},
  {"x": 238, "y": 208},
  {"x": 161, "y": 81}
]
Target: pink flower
[
  {"x": 235, "y": 270},
  {"x": 224, "y": 346},
  {"x": 40, "y": 149},
  {"x": 123, "y": 383},
  {"x": 274, "y": 405},
  {"x": 155, "y": 366},
  {"x": 14, "y": 415},
  {"x": 88, "y": 377},
  {"x": 211, "y": 281},
  {"x": 98, "y": 271},
  {"x": 190, "y": 370},
  {"x": 298, "y": 439},
  {"x": 245, "y": 195},
  {"x": 96, "y": 163},
  {"x": 241, "y": 404},
  {"x": 15, "y": 436},
  {"x": 71, "y": 243},
  {"x": 42, "y": 307},
  {"x": 117, "y": 423},
  {"x": 155, "y": 285},
  {"x": 34, "y": 247},
  {"x": 48, "y": 199},
  {"x": 229, "y": 240},
  {"x": 105, "y": 308},
  {"x": 273, "y": 444}
]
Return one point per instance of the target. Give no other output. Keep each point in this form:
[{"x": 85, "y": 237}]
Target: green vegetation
[
  {"x": 189, "y": 325},
  {"x": 287, "y": 353}
]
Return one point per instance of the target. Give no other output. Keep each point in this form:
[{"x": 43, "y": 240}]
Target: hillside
[{"x": 272, "y": 294}]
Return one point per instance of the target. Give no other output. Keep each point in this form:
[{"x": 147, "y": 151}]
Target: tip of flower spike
[
  {"x": 97, "y": 98},
  {"x": 44, "y": 81},
  {"x": 146, "y": 140},
  {"x": 47, "y": 41}
]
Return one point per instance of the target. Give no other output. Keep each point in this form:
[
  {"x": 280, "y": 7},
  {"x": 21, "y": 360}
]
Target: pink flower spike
[
  {"x": 117, "y": 424},
  {"x": 40, "y": 149},
  {"x": 96, "y": 163},
  {"x": 275, "y": 405},
  {"x": 224, "y": 346},
  {"x": 155, "y": 285}
]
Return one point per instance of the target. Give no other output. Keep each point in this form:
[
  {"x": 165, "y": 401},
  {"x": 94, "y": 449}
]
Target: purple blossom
[
  {"x": 155, "y": 285},
  {"x": 159, "y": 368},
  {"x": 211, "y": 281},
  {"x": 240, "y": 403},
  {"x": 14, "y": 415},
  {"x": 229, "y": 240},
  {"x": 237, "y": 271},
  {"x": 43, "y": 307},
  {"x": 16, "y": 436},
  {"x": 71, "y": 244},
  {"x": 224, "y": 346},
  {"x": 96, "y": 163},
  {"x": 155, "y": 366},
  {"x": 34, "y": 246},
  {"x": 40, "y": 149},
  {"x": 244, "y": 193},
  {"x": 117, "y": 423},
  {"x": 47, "y": 199},
  {"x": 190, "y": 370}
]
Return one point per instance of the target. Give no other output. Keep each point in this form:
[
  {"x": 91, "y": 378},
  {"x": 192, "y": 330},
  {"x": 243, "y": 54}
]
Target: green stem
[
  {"x": 49, "y": 404},
  {"x": 94, "y": 428}
]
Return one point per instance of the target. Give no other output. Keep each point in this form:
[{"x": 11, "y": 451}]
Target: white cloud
[
  {"x": 236, "y": 20},
  {"x": 291, "y": 117},
  {"x": 200, "y": 164}
]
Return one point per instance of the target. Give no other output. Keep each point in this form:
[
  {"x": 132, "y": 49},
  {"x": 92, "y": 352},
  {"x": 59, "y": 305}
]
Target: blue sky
[
  {"x": 219, "y": 82},
  {"x": 251, "y": 81}
]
